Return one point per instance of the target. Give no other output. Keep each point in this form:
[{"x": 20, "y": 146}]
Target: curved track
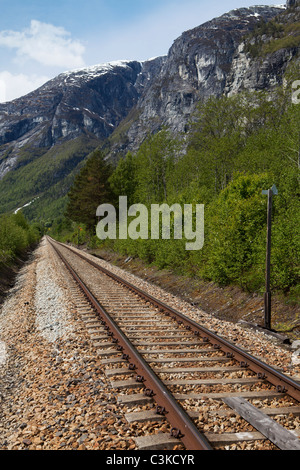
[{"x": 200, "y": 383}]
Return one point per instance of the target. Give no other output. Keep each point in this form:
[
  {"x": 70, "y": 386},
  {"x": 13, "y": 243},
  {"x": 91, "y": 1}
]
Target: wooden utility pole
[{"x": 267, "y": 296}]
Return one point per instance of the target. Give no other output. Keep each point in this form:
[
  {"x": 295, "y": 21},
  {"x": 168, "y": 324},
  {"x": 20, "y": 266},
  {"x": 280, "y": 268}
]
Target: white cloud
[
  {"x": 15, "y": 85},
  {"x": 46, "y": 44}
]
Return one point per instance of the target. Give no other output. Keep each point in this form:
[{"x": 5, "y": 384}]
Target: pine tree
[{"x": 90, "y": 189}]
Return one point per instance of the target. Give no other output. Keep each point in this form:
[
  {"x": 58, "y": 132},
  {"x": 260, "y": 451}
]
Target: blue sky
[{"x": 40, "y": 39}]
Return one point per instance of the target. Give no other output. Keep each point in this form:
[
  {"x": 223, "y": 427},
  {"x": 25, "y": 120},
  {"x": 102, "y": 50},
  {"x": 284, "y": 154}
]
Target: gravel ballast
[{"x": 54, "y": 393}]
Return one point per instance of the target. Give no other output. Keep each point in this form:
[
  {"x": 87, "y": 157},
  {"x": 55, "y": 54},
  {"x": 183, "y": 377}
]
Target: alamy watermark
[
  {"x": 296, "y": 93},
  {"x": 162, "y": 224}
]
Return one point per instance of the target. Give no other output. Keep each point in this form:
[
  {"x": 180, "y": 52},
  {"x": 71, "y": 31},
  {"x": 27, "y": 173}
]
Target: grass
[
  {"x": 270, "y": 37},
  {"x": 47, "y": 175},
  {"x": 287, "y": 42}
]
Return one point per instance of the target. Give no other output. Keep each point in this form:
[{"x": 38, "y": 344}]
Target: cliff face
[
  {"x": 117, "y": 105},
  {"x": 263, "y": 57},
  {"x": 198, "y": 65},
  {"x": 160, "y": 92},
  {"x": 92, "y": 100}
]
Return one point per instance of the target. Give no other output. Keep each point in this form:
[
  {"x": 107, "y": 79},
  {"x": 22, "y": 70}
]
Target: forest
[{"x": 236, "y": 148}]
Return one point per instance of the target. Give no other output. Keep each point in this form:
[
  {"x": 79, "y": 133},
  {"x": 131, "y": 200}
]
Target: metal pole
[{"x": 268, "y": 263}]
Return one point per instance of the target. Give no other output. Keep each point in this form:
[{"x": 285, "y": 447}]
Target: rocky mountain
[
  {"x": 46, "y": 135},
  {"x": 262, "y": 57},
  {"x": 199, "y": 64},
  {"x": 87, "y": 101}
]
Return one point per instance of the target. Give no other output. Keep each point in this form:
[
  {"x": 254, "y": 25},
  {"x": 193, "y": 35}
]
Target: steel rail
[
  {"x": 283, "y": 383},
  {"x": 182, "y": 426}
]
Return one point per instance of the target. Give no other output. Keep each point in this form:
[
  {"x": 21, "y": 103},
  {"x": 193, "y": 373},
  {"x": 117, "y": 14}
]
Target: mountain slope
[
  {"x": 91, "y": 100},
  {"x": 197, "y": 66},
  {"x": 46, "y": 136},
  {"x": 264, "y": 55}
]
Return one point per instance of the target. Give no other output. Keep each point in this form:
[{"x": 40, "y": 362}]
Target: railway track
[{"x": 166, "y": 367}]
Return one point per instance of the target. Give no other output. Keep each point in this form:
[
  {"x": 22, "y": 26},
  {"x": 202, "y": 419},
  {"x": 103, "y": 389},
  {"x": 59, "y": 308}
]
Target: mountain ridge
[
  {"x": 114, "y": 106},
  {"x": 196, "y": 67}
]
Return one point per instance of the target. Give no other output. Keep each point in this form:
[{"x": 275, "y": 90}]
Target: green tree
[
  {"x": 16, "y": 236},
  {"x": 285, "y": 256},
  {"x": 217, "y": 137},
  {"x": 235, "y": 243},
  {"x": 123, "y": 179},
  {"x": 155, "y": 162},
  {"x": 90, "y": 189}
]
